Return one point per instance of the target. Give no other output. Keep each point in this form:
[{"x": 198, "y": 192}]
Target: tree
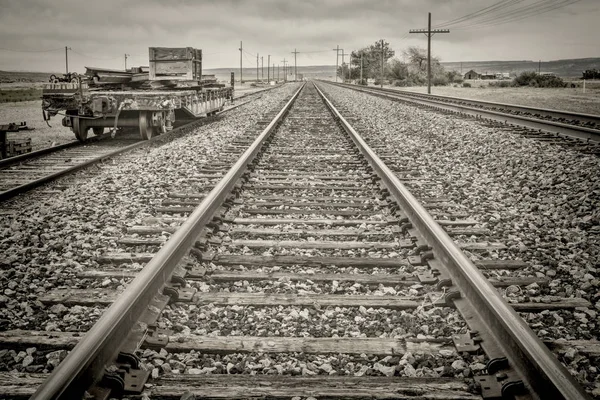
[
  {"x": 371, "y": 60},
  {"x": 397, "y": 70},
  {"x": 418, "y": 57}
]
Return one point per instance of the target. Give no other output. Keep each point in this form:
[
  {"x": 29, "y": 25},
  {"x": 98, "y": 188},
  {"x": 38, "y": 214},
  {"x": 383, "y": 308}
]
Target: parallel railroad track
[
  {"x": 307, "y": 256},
  {"x": 25, "y": 172},
  {"x": 552, "y": 122}
]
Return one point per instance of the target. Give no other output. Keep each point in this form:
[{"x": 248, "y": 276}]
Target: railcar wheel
[
  {"x": 80, "y": 128},
  {"x": 98, "y": 130},
  {"x": 145, "y": 122}
]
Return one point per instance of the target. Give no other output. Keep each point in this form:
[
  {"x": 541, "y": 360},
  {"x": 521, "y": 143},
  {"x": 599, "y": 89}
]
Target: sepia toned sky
[{"x": 33, "y": 33}]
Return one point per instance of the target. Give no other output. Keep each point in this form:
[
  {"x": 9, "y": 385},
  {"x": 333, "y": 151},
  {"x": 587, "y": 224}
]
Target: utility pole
[
  {"x": 343, "y": 76},
  {"x": 429, "y": 33},
  {"x": 350, "y": 68},
  {"x": 295, "y": 66},
  {"x": 256, "y": 67},
  {"x": 126, "y": 55},
  {"x": 337, "y": 56},
  {"x": 268, "y": 63},
  {"x": 361, "y": 67},
  {"x": 241, "y": 79},
  {"x": 262, "y": 69},
  {"x": 67, "y": 59},
  {"x": 381, "y": 80},
  {"x": 278, "y": 72},
  {"x": 284, "y": 71}
]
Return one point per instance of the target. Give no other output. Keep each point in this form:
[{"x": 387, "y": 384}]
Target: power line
[
  {"x": 536, "y": 8},
  {"x": 93, "y": 57},
  {"x": 32, "y": 51},
  {"x": 479, "y": 13}
]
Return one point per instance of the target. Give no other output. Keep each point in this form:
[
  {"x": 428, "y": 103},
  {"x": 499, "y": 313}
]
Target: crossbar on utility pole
[
  {"x": 429, "y": 33},
  {"x": 295, "y": 65}
]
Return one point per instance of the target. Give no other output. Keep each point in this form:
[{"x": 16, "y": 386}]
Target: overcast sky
[{"x": 100, "y": 32}]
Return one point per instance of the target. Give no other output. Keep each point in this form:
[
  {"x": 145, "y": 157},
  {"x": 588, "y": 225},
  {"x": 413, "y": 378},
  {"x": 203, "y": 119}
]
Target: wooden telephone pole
[
  {"x": 337, "y": 56},
  {"x": 429, "y": 33},
  {"x": 268, "y": 64},
  {"x": 67, "y": 59},
  {"x": 241, "y": 79},
  {"x": 295, "y": 66},
  {"x": 361, "y": 67},
  {"x": 382, "y": 50}
]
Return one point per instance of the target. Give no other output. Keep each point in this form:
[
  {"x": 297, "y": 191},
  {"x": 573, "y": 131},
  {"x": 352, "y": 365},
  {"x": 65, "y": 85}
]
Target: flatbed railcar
[{"x": 173, "y": 88}]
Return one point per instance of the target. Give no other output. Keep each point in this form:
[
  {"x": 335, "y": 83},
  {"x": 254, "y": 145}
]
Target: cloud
[{"x": 101, "y": 32}]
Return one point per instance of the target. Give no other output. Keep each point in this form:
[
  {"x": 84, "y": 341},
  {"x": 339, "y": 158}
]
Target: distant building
[
  {"x": 487, "y": 76},
  {"x": 547, "y": 74},
  {"x": 502, "y": 75},
  {"x": 472, "y": 75}
]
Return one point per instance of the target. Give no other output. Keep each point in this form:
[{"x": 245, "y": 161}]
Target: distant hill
[
  {"x": 572, "y": 68},
  {"x": 313, "y": 71},
  {"x": 20, "y": 76}
]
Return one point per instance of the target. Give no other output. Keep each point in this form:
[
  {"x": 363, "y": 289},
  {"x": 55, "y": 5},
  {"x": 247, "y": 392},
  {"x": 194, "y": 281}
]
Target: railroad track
[
  {"x": 551, "y": 123},
  {"x": 25, "y": 172},
  {"x": 317, "y": 262}
]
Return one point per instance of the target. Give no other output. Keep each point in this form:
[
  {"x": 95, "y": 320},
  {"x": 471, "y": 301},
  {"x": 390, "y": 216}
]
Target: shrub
[
  {"x": 362, "y": 82},
  {"x": 400, "y": 82},
  {"x": 534, "y": 80},
  {"x": 466, "y": 84},
  {"x": 439, "y": 80},
  {"x": 501, "y": 84}
]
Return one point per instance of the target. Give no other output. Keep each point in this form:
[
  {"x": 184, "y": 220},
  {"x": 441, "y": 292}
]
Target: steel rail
[
  {"x": 586, "y": 118},
  {"x": 85, "y": 363},
  {"x": 527, "y": 354},
  {"x": 573, "y": 131},
  {"x": 12, "y": 192},
  {"x": 7, "y": 162}
]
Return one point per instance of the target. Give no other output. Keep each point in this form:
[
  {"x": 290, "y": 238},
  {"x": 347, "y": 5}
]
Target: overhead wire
[
  {"x": 476, "y": 14},
  {"x": 489, "y": 16},
  {"x": 519, "y": 14},
  {"x": 95, "y": 58},
  {"x": 32, "y": 51}
]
